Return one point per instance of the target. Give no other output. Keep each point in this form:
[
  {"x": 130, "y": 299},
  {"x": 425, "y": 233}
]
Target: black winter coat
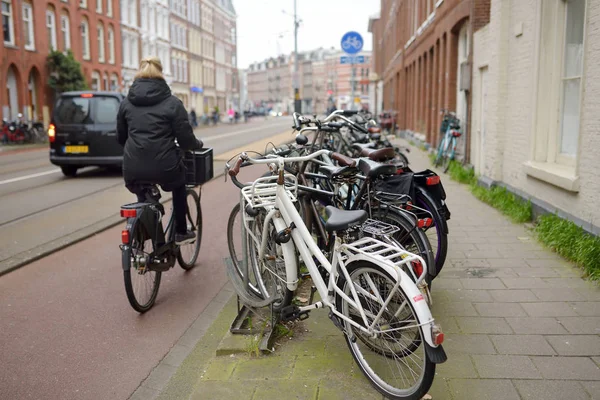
[{"x": 148, "y": 122}]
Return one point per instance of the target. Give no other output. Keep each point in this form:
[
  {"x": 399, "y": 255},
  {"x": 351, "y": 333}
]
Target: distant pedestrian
[
  {"x": 194, "y": 118},
  {"x": 230, "y": 114}
]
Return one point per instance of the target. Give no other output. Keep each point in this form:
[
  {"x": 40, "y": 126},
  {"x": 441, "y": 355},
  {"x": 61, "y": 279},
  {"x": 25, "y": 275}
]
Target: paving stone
[
  {"x": 596, "y": 360},
  {"x": 220, "y": 368},
  {"x": 499, "y": 366},
  {"x": 466, "y": 246},
  {"x": 448, "y": 324},
  {"x": 483, "y": 283},
  {"x": 299, "y": 390},
  {"x": 582, "y": 325},
  {"x": 239, "y": 390},
  {"x": 177, "y": 354},
  {"x": 508, "y": 262},
  {"x": 589, "y": 294},
  {"x": 445, "y": 283},
  {"x": 535, "y": 325},
  {"x": 470, "y": 262},
  {"x": 537, "y": 272},
  {"x": 358, "y": 389},
  {"x": 144, "y": 393},
  {"x": 455, "y": 309},
  {"x": 522, "y": 345},
  {"x": 439, "y": 390},
  {"x": 552, "y": 309},
  {"x": 553, "y": 294},
  {"x": 160, "y": 376},
  {"x": 593, "y": 388},
  {"x": 483, "y": 389},
  {"x": 266, "y": 367},
  {"x": 550, "y": 390},
  {"x": 513, "y": 295},
  {"x": 500, "y": 310},
  {"x": 535, "y": 262},
  {"x": 479, "y": 272},
  {"x": 572, "y": 283},
  {"x": 323, "y": 365},
  {"x": 483, "y": 325},
  {"x": 487, "y": 254},
  {"x": 524, "y": 283},
  {"x": 299, "y": 346},
  {"x": 468, "y": 344},
  {"x": 576, "y": 345},
  {"x": 457, "y": 366},
  {"x": 571, "y": 368},
  {"x": 586, "y": 308},
  {"x": 472, "y": 296}
]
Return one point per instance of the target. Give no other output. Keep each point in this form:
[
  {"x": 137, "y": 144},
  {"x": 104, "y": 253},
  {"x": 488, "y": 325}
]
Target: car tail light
[
  {"x": 125, "y": 237},
  {"x": 51, "y": 133},
  {"x": 437, "y": 335},
  {"x": 424, "y": 223},
  {"x": 432, "y": 180},
  {"x": 87, "y": 95},
  {"x": 128, "y": 213}
]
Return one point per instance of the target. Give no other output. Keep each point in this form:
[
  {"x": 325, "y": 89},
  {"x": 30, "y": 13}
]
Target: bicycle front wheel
[
  {"x": 188, "y": 253},
  {"x": 395, "y": 360}
]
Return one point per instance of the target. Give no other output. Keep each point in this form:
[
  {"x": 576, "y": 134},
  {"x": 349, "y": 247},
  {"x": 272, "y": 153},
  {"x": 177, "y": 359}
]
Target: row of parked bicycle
[
  {"x": 345, "y": 208},
  {"x": 20, "y": 131}
]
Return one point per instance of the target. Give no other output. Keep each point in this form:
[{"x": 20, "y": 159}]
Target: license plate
[{"x": 76, "y": 149}]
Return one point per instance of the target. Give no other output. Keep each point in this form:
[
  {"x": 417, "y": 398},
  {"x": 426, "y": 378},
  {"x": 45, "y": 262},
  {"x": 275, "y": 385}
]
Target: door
[{"x": 482, "y": 119}]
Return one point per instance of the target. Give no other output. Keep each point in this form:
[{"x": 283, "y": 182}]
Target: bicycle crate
[{"x": 198, "y": 166}]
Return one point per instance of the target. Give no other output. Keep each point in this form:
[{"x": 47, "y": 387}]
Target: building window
[
  {"x": 144, "y": 12},
  {"x": 65, "y": 31},
  {"x": 105, "y": 82},
  {"x": 109, "y": 9},
  {"x": 95, "y": 80},
  {"x": 51, "y": 27},
  {"x": 28, "y": 27},
  {"x": 111, "y": 45},
  {"x": 559, "y": 92},
  {"x": 85, "y": 38},
  {"x": 114, "y": 82},
  {"x": 83, "y": 3},
  {"x": 8, "y": 29},
  {"x": 98, "y": 6},
  {"x": 132, "y": 13},
  {"x": 101, "y": 47}
]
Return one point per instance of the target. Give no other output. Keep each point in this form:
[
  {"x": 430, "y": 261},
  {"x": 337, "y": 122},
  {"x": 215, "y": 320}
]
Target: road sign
[
  {"x": 352, "y": 42},
  {"x": 352, "y": 59}
]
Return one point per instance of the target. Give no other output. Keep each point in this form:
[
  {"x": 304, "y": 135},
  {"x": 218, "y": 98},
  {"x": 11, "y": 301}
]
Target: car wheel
[{"x": 69, "y": 170}]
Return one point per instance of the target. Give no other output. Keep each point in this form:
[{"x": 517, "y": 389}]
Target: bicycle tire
[
  {"x": 138, "y": 235},
  {"x": 188, "y": 265},
  {"x": 417, "y": 391}
]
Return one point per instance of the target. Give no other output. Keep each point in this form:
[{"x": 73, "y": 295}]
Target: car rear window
[{"x": 87, "y": 110}]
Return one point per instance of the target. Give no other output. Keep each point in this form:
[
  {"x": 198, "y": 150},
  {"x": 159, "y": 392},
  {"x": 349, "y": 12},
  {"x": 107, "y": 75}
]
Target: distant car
[{"x": 83, "y": 131}]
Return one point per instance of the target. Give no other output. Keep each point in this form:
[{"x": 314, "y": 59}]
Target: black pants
[{"x": 179, "y": 208}]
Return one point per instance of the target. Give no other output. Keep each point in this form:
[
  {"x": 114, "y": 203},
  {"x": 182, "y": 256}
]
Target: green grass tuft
[
  {"x": 461, "y": 174},
  {"x": 571, "y": 242},
  {"x": 517, "y": 210}
]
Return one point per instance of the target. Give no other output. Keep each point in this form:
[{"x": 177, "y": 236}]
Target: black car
[{"x": 83, "y": 131}]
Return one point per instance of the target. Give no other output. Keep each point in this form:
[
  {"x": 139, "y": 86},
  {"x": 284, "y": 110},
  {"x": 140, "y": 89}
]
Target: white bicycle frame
[{"x": 281, "y": 210}]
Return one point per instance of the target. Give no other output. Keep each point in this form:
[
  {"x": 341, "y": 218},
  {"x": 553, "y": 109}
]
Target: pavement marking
[
  {"x": 230, "y": 134},
  {"x": 24, "y": 177}
]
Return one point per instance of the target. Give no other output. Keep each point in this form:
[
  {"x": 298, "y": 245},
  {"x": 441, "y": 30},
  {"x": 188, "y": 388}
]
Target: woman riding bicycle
[{"x": 148, "y": 122}]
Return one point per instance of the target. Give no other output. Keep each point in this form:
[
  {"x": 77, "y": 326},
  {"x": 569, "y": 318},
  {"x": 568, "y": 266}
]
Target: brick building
[
  {"x": 423, "y": 57},
  {"x": 30, "y": 28}
]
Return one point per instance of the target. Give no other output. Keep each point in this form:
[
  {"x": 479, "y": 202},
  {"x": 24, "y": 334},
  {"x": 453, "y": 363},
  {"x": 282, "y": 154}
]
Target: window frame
[
  {"x": 111, "y": 44},
  {"x": 545, "y": 161},
  {"x": 99, "y": 6},
  {"x": 85, "y": 39},
  {"x": 11, "y": 22},
  {"x": 83, "y": 4},
  {"x": 52, "y": 40},
  {"x": 66, "y": 36},
  {"x": 31, "y": 26},
  {"x": 109, "y": 8},
  {"x": 101, "y": 42}
]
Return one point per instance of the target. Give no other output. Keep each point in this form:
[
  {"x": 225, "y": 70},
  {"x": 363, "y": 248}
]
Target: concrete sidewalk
[{"x": 519, "y": 321}]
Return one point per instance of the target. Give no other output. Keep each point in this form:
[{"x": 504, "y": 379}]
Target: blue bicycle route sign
[{"x": 352, "y": 42}]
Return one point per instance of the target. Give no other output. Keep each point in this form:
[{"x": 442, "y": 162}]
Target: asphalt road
[
  {"x": 41, "y": 206},
  {"x": 66, "y": 328}
]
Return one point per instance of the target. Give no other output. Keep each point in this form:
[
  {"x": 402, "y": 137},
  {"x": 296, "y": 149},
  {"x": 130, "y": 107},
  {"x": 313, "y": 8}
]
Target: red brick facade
[{"x": 23, "y": 64}]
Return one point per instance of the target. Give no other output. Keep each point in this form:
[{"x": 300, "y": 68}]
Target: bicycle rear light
[
  {"x": 128, "y": 213},
  {"x": 437, "y": 335},
  {"x": 125, "y": 236},
  {"x": 424, "y": 223},
  {"x": 432, "y": 180}
]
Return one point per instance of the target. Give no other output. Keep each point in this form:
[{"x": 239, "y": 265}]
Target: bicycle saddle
[
  {"x": 335, "y": 173},
  {"x": 341, "y": 220},
  {"x": 373, "y": 169},
  {"x": 383, "y": 154}
]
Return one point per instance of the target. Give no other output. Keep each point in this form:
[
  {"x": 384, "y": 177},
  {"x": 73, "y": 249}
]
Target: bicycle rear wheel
[
  {"x": 141, "y": 284},
  {"x": 395, "y": 361},
  {"x": 188, "y": 253}
]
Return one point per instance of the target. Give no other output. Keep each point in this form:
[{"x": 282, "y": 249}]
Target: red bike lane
[{"x": 67, "y": 330}]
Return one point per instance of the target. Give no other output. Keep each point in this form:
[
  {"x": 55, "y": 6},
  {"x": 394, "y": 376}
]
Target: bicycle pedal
[{"x": 293, "y": 313}]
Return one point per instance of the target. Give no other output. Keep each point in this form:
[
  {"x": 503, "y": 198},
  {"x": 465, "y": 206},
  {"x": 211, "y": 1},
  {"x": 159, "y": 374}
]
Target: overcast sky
[{"x": 324, "y": 22}]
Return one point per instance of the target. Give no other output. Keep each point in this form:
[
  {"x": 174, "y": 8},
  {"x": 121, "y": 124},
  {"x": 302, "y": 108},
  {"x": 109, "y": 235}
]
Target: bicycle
[
  {"x": 450, "y": 129},
  {"x": 390, "y": 306},
  {"x": 147, "y": 249}
]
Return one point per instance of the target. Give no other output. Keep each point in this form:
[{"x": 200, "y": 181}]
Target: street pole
[
  {"x": 352, "y": 84},
  {"x": 297, "y": 102}
]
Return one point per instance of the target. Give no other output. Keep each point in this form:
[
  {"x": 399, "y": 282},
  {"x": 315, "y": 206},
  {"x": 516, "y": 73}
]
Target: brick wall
[{"x": 481, "y": 14}]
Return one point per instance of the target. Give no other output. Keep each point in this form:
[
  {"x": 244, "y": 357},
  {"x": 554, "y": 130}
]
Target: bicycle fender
[
  {"x": 411, "y": 291},
  {"x": 425, "y": 192},
  {"x": 289, "y": 255}
]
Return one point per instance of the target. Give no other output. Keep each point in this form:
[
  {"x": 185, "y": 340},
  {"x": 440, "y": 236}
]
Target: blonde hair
[{"x": 150, "y": 67}]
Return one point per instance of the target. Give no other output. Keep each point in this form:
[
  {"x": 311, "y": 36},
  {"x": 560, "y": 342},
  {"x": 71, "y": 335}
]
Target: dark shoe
[{"x": 185, "y": 238}]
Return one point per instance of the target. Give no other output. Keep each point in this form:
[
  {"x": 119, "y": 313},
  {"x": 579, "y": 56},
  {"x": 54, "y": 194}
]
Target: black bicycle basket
[{"x": 198, "y": 166}]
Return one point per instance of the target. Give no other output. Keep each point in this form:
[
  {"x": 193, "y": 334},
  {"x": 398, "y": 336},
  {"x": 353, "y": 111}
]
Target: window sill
[
  {"x": 558, "y": 175},
  {"x": 10, "y": 45}
]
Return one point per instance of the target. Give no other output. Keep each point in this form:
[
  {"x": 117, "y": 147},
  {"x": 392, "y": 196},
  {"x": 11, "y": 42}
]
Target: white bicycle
[{"x": 387, "y": 324}]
